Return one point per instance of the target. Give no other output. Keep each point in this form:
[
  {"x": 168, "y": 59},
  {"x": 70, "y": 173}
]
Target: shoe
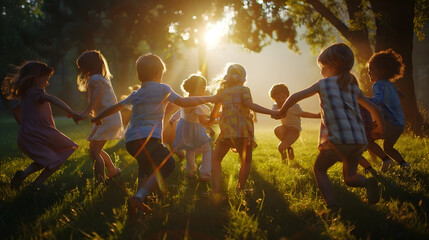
[
  {"x": 372, "y": 191},
  {"x": 371, "y": 170},
  {"x": 135, "y": 204},
  {"x": 17, "y": 179},
  {"x": 290, "y": 153},
  {"x": 386, "y": 165},
  {"x": 405, "y": 165},
  {"x": 114, "y": 174}
]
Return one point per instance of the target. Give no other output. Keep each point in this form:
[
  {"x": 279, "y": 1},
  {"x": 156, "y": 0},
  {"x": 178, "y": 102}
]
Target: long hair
[
  {"x": 90, "y": 63},
  {"x": 235, "y": 74},
  {"x": 15, "y": 85},
  {"x": 340, "y": 57},
  {"x": 192, "y": 83}
]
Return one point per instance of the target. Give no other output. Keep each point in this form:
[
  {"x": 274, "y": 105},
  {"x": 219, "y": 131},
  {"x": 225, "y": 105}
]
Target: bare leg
[
  {"x": 351, "y": 177},
  {"x": 47, "y": 172},
  {"x": 392, "y": 152},
  {"x": 107, "y": 161},
  {"x": 245, "y": 153},
  {"x": 218, "y": 154},
  {"x": 323, "y": 163},
  {"x": 95, "y": 148}
]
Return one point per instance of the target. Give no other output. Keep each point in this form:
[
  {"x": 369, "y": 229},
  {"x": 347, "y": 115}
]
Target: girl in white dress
[
  {"x": 191, "y": 133},
  {"x": 94, "y": 78}
]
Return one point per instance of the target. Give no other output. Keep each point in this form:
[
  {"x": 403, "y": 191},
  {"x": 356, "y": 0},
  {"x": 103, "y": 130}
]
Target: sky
[{"x": 274, "y": 64}]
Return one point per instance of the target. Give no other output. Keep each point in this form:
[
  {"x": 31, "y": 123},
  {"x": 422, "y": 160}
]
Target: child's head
[
  {"x": 90, "y": 63},
  {"x": 386, "y": 65},
  {"x": 235, "y": 75},
  {"x": 150, "y": 67},
  {"x": 279, "y": 93},
  {"x": 338, "y": 60},
  {"x": 194, "y": 85},
  {"x": 29, "y": 74}
]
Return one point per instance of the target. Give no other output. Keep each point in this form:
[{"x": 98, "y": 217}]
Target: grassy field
[{"x": 285, "y": 202}]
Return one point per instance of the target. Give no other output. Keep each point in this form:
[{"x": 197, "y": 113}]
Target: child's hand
[
  {"x": 210, "y": 131},
  {"x": 276, "y": 115},
  {"x": 75, "y": 117},
  {"x": 96, "y": 121}
]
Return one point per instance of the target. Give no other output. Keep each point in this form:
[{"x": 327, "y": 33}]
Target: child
[
  {"x": 143, "y": 135},
  {"x": 236, "y": 126},
  {"x": 94, "y": 78},
  {"x": 190, "y": 130},
  {"x": 342, "y": 134},
  {"x": 290, "y": 129},
  {"x": 37, "y": 137},
  {"x": 384, "y": 68}
]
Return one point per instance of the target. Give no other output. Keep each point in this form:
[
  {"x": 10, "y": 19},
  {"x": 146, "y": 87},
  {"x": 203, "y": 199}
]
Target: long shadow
[
  {"x": 30, "y": 204},
  {"x": 276, "y": 218}
]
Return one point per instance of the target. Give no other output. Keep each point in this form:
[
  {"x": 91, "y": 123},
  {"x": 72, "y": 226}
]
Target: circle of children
[{"x": 350, "y": 122}]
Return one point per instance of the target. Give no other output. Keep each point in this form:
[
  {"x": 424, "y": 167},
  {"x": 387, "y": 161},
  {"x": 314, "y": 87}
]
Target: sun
[{"x": 215, "y": 32}]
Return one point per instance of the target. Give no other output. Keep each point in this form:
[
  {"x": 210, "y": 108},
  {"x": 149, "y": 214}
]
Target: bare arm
[
  {"x": 215, "y": 111},
  {"x": 95, "y": 100},
  {"x": 193, "y": 101},
  {"x": 57, "y": 102},
  {"x": 107, "y": 112},
  {"x": 257, "y": 108},
  {"x": 309, "y": 115},
  {"x": 174, "y": 117},
  {"x": 16, "y": 112},
  {"x": 375, "y": 114},
  {"x": 298, "y": 96}
]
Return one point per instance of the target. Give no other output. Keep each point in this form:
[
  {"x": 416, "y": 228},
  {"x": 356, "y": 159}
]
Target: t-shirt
[
  {"x": 292, "y": 118},
  {"x": 148, "y": 105}
]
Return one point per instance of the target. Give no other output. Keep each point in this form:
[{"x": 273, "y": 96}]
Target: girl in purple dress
[{"x": 37, "y": 137}]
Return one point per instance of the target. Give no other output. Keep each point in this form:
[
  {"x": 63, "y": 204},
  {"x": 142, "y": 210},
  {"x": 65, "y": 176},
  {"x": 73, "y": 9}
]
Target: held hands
[
  {"x": 277, "y": 115},
  {"x": 96, "y": 121},
  {"x": 75, "y": 116}
]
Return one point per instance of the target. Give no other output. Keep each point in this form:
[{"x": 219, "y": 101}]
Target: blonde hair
[
  {"x": 192, "y": 83},
  {"x": 15, "y": 85},
  {"x": 340, "y": 57},
  {"x": 89, "y": 63},
  {"x": 235, "y": 75},
  {"x": 148, "y": 66},
  {"x": 279, "y": 88}
]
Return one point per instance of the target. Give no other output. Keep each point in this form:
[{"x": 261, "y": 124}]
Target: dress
[
  {"x": 235, "y": 120},
  {"x": 38, "y": 137},
  {"x": 112, "y": 125},
  {"x": 190, "y": 134}
]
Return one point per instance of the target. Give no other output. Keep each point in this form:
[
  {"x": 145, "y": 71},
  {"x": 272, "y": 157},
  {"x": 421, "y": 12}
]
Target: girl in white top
[
  {"x": 290, "y": 129},
  {"x": 94, "y": 78},
  {"x": 191, "y": 129},
  {"x": 143, "y": 135}
]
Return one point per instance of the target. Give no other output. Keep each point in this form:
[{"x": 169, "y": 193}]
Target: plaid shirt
[{"x": 340, "y": 113}]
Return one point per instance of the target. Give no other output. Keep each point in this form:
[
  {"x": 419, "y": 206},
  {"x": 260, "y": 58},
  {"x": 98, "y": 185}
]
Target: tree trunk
[{"x": 395, "y": 29}]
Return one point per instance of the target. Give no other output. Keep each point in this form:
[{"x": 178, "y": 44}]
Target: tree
[{"x": 368, "y": 25}]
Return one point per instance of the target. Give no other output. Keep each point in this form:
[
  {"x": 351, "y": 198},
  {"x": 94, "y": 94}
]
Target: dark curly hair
[{"x": 388, "y": 63}]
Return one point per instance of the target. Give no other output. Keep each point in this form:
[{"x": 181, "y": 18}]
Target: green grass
[{"x": 285, "y": 202}]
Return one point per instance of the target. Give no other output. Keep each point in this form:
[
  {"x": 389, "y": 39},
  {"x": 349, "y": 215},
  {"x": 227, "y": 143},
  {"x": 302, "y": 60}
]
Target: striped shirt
[
  {"x": 340, "y": 113},
  {"x": 386, "y": 96}
]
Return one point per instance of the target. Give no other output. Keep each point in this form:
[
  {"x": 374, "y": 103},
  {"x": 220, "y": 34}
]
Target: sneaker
[
  {"x": 17, "y": 180},
  {"x": 290, "y": 153},
  {"x": 114, "y": 174},
  {"x": 386, "y": 165},
  {"x": 372, "y": 191}
]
